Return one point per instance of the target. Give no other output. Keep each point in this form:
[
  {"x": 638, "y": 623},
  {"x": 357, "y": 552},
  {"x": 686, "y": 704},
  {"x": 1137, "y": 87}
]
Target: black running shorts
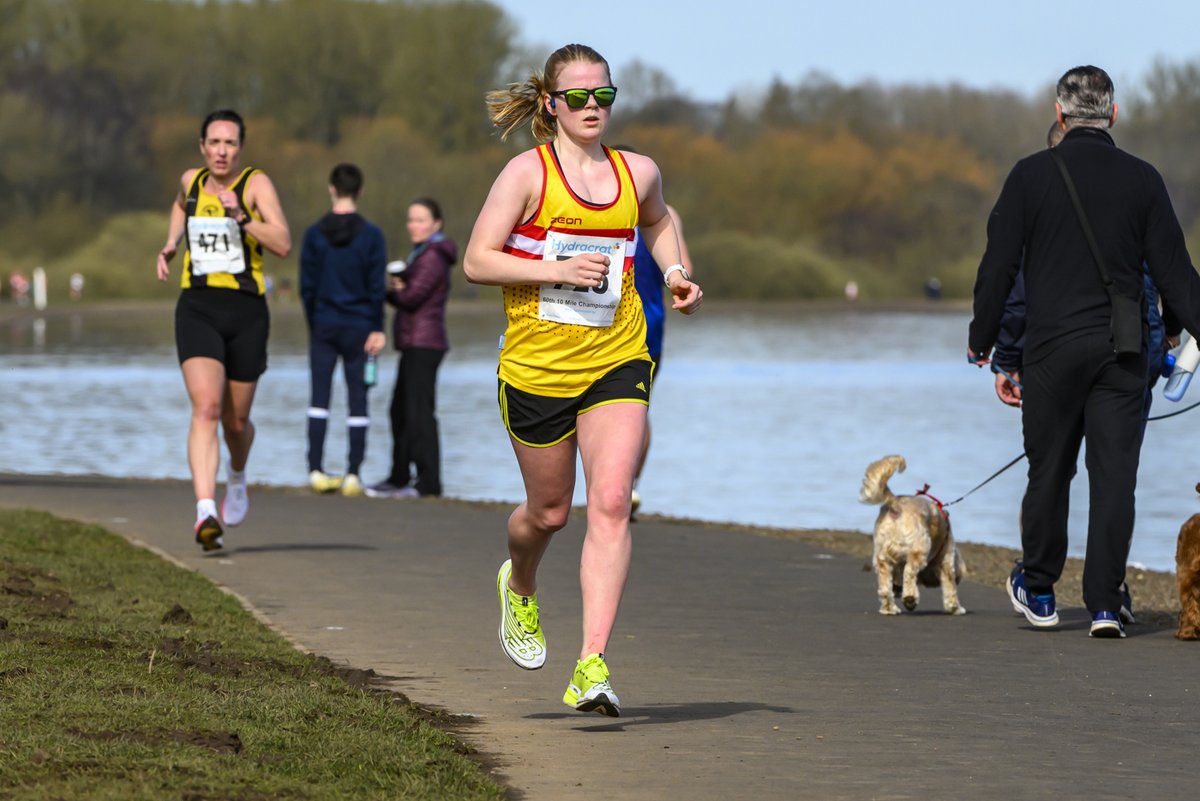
[
  {"x": 227, "y": 325},
  {"x": 540, "y": 422}
]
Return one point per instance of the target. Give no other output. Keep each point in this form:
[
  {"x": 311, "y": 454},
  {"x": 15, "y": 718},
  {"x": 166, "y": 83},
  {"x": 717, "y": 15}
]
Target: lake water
[{"x": 761, "y": 415}]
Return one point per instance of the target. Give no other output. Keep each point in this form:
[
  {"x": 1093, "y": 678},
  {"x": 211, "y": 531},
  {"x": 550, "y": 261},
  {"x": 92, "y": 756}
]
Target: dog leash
[
  {"x": 986, "y": 480},
  {"x": 1007, "y": 375},
  {"x": 1172, "y": 414},
  {"x": 1022, "y": 456}
]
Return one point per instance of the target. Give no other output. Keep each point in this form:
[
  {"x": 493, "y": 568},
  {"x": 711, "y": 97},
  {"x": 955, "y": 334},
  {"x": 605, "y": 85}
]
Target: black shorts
[
  {"x": 539, "y": 421},
  {"x": 227, "y": 325}
]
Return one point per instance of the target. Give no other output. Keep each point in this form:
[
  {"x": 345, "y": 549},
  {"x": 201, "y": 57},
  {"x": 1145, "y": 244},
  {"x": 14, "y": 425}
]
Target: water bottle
[
  {"x": 1186, "y": 361},
  {"x": 371, "y": 371}
]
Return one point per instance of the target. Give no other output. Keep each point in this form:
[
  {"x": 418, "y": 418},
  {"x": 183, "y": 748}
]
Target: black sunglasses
[{"x": 578, "y": 98}]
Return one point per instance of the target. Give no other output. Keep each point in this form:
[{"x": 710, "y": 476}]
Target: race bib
[
  {"x": 215, "y": 245},
  {"x": 582, "y": 305}
]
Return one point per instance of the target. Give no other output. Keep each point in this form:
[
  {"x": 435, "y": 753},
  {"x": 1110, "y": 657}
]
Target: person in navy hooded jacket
[{"x": 342, "y": 265}]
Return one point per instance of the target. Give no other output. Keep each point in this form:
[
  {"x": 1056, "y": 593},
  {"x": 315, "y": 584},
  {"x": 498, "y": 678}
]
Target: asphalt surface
[{"x": 748, "y": 666}]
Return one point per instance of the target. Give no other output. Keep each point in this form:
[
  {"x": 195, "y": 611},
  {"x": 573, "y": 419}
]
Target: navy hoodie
[{"x": 342, "y": 265}]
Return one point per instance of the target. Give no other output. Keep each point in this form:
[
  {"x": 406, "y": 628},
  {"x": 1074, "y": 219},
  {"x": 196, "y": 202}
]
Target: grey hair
[{"x": 1085, "y": 94}]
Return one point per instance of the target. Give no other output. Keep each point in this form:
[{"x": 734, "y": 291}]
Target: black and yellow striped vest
[{"x": 200, "y": 203}]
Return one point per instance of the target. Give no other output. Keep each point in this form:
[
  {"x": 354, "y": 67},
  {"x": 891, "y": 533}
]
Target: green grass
[{"x": 102, "y": 698}]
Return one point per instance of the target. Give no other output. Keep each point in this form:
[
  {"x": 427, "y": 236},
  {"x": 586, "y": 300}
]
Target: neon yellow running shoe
[
  {"x": 589, "y": 690},
  {"x": 520, "y": 629}
]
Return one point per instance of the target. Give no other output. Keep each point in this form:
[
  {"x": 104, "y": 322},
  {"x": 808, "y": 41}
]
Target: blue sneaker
[
  {"x": 1037, "y": 609},
  {"x": 1106, "y": 625},
  {"x": 1126, "y": 611}
]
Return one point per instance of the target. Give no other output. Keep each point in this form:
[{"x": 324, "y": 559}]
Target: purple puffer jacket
[{"x": 421, "y": 306}]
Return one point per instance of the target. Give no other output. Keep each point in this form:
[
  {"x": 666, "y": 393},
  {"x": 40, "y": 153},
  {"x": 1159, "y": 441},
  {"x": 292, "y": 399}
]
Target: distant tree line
[{"x": 788, "y": 194}]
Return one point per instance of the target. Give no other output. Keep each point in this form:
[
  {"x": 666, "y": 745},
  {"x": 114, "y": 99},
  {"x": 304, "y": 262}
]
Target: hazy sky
[{"x": 712, "y": 50}]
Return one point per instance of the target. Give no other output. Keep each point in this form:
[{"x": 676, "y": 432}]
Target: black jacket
[{"x": 1134, "y": 223}]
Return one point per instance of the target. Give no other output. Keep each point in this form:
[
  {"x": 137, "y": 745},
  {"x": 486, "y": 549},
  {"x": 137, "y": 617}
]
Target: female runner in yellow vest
[
  {"x": 557, "y": 233},
  {"x": 228, "y": 216}
]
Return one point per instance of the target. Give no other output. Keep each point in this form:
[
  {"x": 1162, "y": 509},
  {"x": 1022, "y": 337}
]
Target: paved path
[{"x": 748, "y": 667}]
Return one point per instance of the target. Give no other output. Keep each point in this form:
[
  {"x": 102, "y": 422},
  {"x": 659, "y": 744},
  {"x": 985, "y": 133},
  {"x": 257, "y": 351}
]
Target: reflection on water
[{"x": 763, "y": 416}]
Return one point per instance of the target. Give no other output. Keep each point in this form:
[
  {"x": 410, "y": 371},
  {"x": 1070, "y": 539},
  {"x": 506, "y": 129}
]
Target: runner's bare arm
[
  {"x": 174, "y": 228},
  {"x": 272, "y": 231},
  {"x": 658, "y": 227},
  {"x": 685, "y": 258},
  {"x": 512, "y": 199}
]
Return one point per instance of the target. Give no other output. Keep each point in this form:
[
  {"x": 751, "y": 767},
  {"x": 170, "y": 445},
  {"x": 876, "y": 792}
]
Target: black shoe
[
  {"x": 209, "y": 533},
  {"x": 1126, "y": 611}
]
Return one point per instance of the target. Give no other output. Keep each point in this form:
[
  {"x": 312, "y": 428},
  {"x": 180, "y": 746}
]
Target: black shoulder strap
[{"x": 1083, "y": 221}]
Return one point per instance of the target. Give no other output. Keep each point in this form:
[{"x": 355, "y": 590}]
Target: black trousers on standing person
[
  {"x": 1082, "y": 390},
  {"x": 415, "y": 440}
]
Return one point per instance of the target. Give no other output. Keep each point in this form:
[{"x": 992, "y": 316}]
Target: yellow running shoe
[
  {"x": 589, "y": 690},
  {"x": 351, "y": 486},
  {"x": 520, "y": 629},
  {"x": 322, "y": 483}
]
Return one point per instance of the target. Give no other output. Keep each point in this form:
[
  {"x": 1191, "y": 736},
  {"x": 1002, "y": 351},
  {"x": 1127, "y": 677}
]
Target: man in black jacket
[{"x": 1075, "y": 386}]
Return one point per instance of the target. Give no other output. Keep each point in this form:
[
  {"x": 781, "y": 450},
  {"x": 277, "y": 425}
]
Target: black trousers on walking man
[{"x": 1082, "y": 390}]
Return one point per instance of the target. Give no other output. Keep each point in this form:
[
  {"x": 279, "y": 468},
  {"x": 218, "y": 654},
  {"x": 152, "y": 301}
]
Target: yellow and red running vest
[{"x": 560, "y": 339}]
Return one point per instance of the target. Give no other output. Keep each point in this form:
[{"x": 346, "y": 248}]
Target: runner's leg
[
  {"x": 204, "y": 379},
  {"x": 610, "y": 440},
  {"x": 549, "y": 476}
]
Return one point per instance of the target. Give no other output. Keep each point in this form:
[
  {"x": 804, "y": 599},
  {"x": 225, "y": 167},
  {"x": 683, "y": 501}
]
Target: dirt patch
[
  {"x": 27, "y": 586},
  {"x": 204, "y": 656},
  {"x": 244, "y": 795},
  {"x": 457, "y": 726},
  {"x": 177, "y": 615},
  {"x": 220, "y": 742}
]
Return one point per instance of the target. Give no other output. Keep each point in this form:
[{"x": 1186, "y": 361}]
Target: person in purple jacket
[{"x": 419, "y": 333}]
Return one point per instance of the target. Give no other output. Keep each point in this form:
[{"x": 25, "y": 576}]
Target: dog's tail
[{"x": 875, "y": 489}]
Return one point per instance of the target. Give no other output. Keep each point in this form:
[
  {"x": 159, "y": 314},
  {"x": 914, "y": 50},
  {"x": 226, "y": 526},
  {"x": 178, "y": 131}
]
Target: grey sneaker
[{"x": 386, "y": 490}]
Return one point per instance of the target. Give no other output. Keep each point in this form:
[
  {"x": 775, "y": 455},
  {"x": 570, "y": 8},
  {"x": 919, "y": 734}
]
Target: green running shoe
[
  {"x": 589, "y": 690},
  {"x": 520, "y": 630}
]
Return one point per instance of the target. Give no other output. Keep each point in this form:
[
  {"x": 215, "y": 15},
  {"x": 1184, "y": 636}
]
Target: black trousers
[
  {"x": 1082, "y": 390},
  {"x": 415, "y": 440}
]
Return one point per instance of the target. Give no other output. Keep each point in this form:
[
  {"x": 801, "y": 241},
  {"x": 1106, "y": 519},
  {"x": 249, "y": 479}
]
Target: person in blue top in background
[
  {"x": 647, "y": 279},
  {"x": 342, "y": 285}
]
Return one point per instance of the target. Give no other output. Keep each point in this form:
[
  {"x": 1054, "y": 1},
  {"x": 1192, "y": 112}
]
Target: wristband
[{"x": 675, "y": 267}]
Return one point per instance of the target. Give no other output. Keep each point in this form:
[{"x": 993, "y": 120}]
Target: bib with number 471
[
  {"x": 215, "y": 245},
  {"x": 582, "y": 305}
]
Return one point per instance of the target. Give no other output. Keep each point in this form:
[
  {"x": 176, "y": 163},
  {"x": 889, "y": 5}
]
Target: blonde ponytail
[{"x": 509, "y": 108}]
